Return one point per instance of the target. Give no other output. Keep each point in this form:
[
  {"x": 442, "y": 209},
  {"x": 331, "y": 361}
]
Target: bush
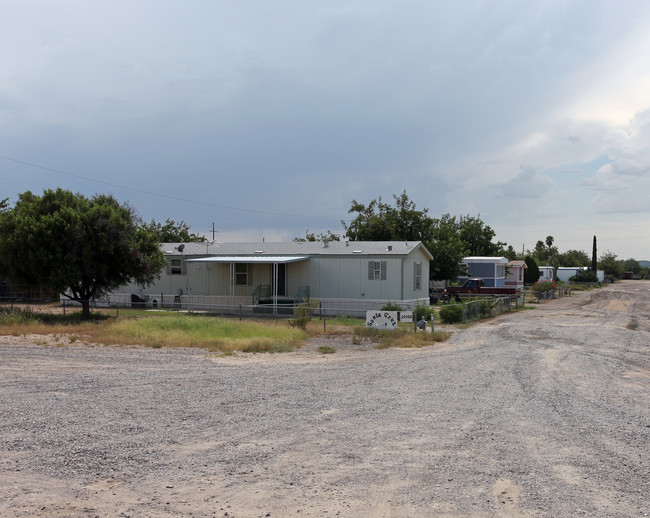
[
  {"x": 542, "y": 286},
  {"x": 391, "y": 307},
  {"x": 425, "y": 312},
  {"x": 303, "y": 312},
  {"x": 451, "y": 314},
  {"x": 585, "y": 276}
]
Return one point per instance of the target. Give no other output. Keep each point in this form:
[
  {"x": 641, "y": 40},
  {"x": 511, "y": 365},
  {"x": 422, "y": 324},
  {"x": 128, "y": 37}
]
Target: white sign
[
  {"x": 381, "y": 319},
  {"x": 406, "y": 316}
]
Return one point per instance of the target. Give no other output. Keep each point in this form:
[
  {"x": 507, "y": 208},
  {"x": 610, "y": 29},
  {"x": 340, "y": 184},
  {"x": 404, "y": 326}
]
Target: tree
[
  {"x": 612, "y": 268},
  {"x": 632, "y": 265},
  {"x": 594, "y": 261},
  {"x": 173, "y": 232},
  {"x": 379, "y": 221},
  {"x": 446, "y": 247},
  {"x": 545, "y": 252},
  {"x": 323, "y": 236},
  {"x": 531, "y": 273},
  {"x": 448, "y": 239},
  {"x": 478, "y": 236},
  {"x": 511, "y": 253},
  {"x": 573, "y": 258},
  {"x": 77, "y": 246}
]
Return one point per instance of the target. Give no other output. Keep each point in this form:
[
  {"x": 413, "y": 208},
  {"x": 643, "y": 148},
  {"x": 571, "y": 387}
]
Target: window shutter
[
  {"x": 417, "y": 276},
  {"x": 383, "y": 270},
  {"x": 169, "y": 266},
  {"x": 371, "y": 270},
  {"x": 249, "y": 276},
  {"x": 183, "y": 267}
]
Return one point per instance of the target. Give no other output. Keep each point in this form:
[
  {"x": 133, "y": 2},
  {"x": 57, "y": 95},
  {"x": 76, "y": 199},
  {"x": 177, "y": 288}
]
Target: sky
[{"x": 267, "y": 119}]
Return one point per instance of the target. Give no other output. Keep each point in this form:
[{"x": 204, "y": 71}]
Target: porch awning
[{"x": 279, "y": 259}]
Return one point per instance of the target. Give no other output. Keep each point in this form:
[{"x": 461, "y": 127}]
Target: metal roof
[
  {"x": 250, "y": 259},
  {"x": 484, "y": 259},
  {"x": 296, "y": 248}
]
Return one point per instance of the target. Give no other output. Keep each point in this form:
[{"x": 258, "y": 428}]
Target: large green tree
[
  {"x": 612, "y": 267},
  {"x": 380, "y": 221},
  {"x": 573, "y": 258},
  {"x": 447, "y": 238},
  {"x": 173, "y": 232},
  {"x": 478, "y": 237},
  {"x": 78, "y": 246},
  {"x": 447, "y": 248}
]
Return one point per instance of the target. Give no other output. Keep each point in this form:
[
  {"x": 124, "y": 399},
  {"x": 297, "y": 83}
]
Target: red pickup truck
[{"x": 475, "y": 287}]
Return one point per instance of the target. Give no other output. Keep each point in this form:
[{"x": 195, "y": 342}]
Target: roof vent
[
  {"x": 357, "y": 251},
  {"x": 259, "y": 251},
  {"x": 390, "y": 248},
  {"x": 347, "y": 243},
  {"x": 326, "y": 243}
]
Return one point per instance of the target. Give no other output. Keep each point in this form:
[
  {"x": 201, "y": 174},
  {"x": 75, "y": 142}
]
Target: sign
[
  {"x": 381, "y": 319},
  {"x": 406, "y": 316}
]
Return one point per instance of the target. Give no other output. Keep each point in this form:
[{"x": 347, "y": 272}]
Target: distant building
[
  {"x": 515, "y": 274},
  {"x": 491, "y": 269},
  {"x": 564, "y": 273},
  {"x": 546, "y": 273}
]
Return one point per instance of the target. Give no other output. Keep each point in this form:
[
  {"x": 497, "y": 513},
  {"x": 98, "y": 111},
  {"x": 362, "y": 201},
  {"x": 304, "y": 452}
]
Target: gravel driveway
[{"x": 540, "y": 413}]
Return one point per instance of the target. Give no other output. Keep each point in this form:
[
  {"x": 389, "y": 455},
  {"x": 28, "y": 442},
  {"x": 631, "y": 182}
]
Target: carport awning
[{"x": 278, "y": 259}]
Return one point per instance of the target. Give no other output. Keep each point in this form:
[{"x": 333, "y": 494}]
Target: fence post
[
  {"x": 117, "y": 310},
  {"x": 464, "y": 312},
  {"x": 324, "y": 323},
  {"x": 432, "y": 323},
  {"x": 240, "y": 312},
  {"x": 12, "y": 305}
]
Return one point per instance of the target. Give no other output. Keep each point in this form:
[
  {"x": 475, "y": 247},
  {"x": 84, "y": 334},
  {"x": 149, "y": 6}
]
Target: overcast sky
[{"x": 269, "y": 118}]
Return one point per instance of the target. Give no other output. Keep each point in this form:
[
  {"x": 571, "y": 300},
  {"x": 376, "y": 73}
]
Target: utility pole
[{"x": 213, "y": 232}]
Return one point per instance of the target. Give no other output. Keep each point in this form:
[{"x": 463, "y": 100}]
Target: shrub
[
  {"x": 585, "y": 276},
  {"x": 425, "y": 312},
  {"x": 391, "y": 307},
  {"x": 542, "y": 286},
  {"x": 303, "y": 312},
  {"x": 451, "y": 314}
]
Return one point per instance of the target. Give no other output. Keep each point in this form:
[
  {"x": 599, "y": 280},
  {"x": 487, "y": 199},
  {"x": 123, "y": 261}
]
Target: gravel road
[{"x": 540, "y": 413}]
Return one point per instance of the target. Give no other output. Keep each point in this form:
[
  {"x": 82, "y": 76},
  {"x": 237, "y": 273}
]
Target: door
[{"x": 282, "y": 278}]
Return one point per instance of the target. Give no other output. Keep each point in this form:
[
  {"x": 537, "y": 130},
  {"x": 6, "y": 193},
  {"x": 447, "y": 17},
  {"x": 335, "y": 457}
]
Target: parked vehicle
[{"x": 476, "y": 287}]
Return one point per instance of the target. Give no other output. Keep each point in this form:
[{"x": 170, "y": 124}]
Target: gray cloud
[{"x": 299, "y": 108}]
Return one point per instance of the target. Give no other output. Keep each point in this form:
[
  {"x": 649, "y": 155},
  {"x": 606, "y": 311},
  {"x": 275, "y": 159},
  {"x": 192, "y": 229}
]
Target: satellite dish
[{"x": 180, "y": 248}]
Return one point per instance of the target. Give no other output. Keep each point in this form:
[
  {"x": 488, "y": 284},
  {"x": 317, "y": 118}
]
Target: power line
[{"x": 151, "y": 193}]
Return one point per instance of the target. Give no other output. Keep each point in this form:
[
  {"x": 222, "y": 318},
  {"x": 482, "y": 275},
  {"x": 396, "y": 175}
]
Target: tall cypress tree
[{"x": 594, "y": 262}]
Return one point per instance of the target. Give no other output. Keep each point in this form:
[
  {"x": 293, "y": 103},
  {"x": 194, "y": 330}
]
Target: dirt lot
[{"x": 539, "y": 413}]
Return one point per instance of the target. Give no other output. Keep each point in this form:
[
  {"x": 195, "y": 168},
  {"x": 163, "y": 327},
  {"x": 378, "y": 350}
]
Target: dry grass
[{"x": 223, "y": 335}]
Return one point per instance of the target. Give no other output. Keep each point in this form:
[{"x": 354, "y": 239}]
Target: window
[
  {"x": 376, "y": 270},
  {"x": 241, "y": 274},
  {"x": 501, "y": 270},
  {"x": 417, "y": 276},
  {"x": 176, "y": 266}
]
